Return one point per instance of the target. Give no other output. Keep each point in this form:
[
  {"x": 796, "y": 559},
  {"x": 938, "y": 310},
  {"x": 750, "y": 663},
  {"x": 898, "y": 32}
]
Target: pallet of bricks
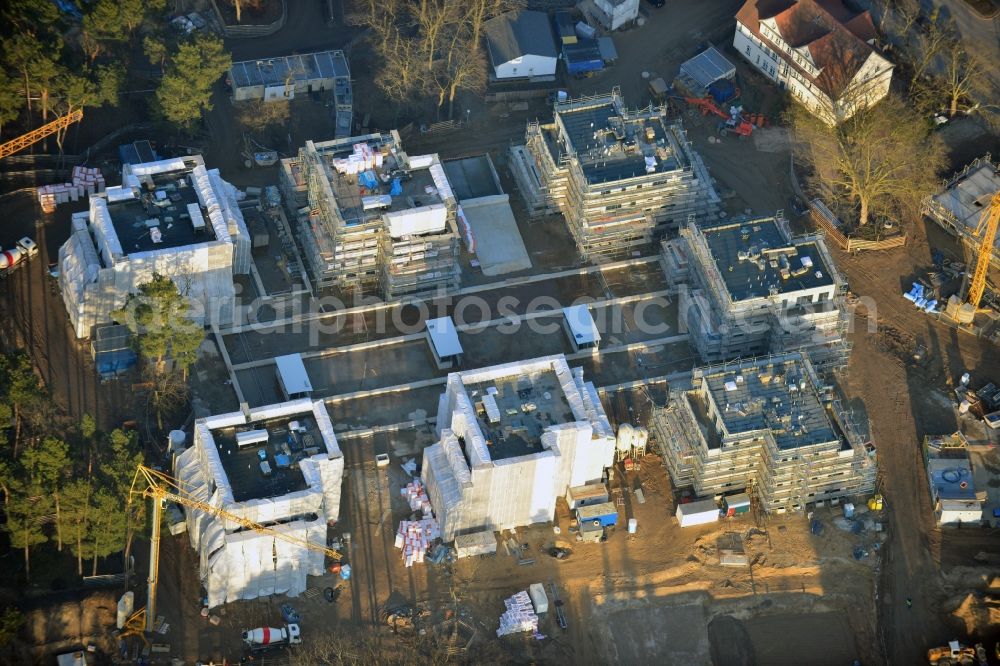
[
  {"x": 414, "y": 537},
  {"x": 86, "y": 181}
]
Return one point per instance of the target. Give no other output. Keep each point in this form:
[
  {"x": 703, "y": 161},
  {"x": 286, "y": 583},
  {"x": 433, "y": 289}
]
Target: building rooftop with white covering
[
  {"x": 171, "y": 217},
  {"x": 373, "y": 217},
  {"x": 963, "y": 201},
  {"x": 279, "y": 466},
  {"x": 512, "y": 439}
]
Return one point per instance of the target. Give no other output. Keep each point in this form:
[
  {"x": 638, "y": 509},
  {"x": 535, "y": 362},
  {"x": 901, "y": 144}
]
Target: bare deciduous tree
[
  {"x": 883, "y": 160},
  {"x": 432, "y": 46}
]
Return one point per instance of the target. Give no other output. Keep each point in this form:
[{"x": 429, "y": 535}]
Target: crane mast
[
  {"x": 986, "y": 233},
  {"x": 161, "y": 488}
]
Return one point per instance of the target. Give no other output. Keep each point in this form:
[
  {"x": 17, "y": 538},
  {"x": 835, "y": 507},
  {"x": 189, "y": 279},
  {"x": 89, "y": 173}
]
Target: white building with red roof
[{"x": 820, "y": 50}]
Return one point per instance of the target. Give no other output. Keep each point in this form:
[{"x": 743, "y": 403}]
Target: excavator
[
  {"x": 964, "y": 310},
  {"x": 162, "y": 488},
  {"x": 36, "y": 135}
]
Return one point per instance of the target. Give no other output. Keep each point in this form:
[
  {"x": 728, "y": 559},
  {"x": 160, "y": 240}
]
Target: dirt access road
[{"x": 904, "y": 403}]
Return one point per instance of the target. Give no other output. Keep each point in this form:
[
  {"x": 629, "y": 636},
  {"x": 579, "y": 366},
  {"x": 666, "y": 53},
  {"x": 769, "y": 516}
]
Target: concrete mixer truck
[
  {"x": 15, "y": 257},
  {"x": 263, "y": 639}
]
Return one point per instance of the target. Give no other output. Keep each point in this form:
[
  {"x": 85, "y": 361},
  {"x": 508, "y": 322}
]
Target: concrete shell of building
[
  {"x": 171, "y": 217},
  {"x": 766, "y": 426},
  {"x": 279, "y": 466},
  {"x": 616, "y": 175},
  {"x": 372, "y": 218},
  {"x": 513, "y": 438},
  {"x": 748, "y": 288}
]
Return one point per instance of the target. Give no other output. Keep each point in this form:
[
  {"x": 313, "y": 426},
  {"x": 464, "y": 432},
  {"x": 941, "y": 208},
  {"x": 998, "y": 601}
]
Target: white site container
[
  {"x": 538, "y": 598},
  {"x": 701, "y": 512}
]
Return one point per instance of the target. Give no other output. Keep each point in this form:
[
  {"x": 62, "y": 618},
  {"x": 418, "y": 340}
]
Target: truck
[
  {"x": 14, "y": 258},
  {"x": 269, "y": 638}
]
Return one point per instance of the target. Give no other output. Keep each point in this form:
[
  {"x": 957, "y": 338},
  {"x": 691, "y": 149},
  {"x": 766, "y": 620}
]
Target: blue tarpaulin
[
  {"x": 396, "y": 188},
  {"x": 368, "y": 179}
]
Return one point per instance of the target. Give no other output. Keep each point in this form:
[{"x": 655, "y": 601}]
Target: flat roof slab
[
  {"x": 499, "y": 246},
  {"x": 134, "y": 218},
  {"x": 748, "y": 257}
]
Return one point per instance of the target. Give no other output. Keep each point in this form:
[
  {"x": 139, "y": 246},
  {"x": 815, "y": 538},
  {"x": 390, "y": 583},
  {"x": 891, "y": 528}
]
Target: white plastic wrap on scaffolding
[
  {"x": 202, "y": 272},
  {"x": 421, "y": 161},
  {"x": 202, "y": 182},
  {"x": 326, "y": 428},
  {"x": 234, "y": 221},
  {"x": 251, "y": 565},
  {"x": 466, "y": 228},
  {"x": 281, "y": 409},
  {"x": 446, "y": 482},
  {"x": 464, "y": 423},
  {"x": 593, "y": 405},
  {"x": 104, "y": 230},
  {"x": 150, "y": 168},
  {"x": 414, "y": 221},
  {"x": 441, "y": 182}
]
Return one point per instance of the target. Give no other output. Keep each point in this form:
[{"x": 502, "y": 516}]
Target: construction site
[
  {"x": 768, "y": 426},
  {"x": 171, "y": 217},
  {"x": 629, "y": 411},
  {"x": 618, "y": 176},
  {"x": 748, "y": 288},
  {"x": 292, "y": 480},
  {"x": 371, "y": 218}
]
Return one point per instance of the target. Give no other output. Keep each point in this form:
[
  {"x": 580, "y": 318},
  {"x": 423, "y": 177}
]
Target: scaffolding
[
  {"x": 742, "y": 296},
  {"x": 375, "y": 218},
  {"x": 765, "y": 426},
  {"x": 618, "y": 176}
]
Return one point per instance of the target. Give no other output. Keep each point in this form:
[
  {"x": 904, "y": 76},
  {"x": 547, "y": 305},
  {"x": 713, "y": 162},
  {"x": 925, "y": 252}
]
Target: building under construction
[
  {"x": 767, "y": 426},
  {"x": 514, "y": 438},
  {"x": 279, "y": 466},
  {"x": 963, "y": 201},
  {"x": 372, "y": 218},
  {"x": 617, "y": 175},
  {"x": 748, "y": 288}
]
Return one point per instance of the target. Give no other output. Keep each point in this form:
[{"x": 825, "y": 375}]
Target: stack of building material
[
  {"x": 921, "y": 298},
  {"x": 417, "y": 498},
  {"x": 519, "y": 616},
  {"x": 90, "y": 179},
  {"x": 415, "y": 536}
]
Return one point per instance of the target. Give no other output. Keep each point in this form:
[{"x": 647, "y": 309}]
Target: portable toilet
[{"x": 733, "y": 505}]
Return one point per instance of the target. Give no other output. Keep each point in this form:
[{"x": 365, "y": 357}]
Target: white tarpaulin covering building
[
  {"x": 513, "y": 438},
  {"x": 289, "y": 482},
  {"x": 148, "y": 225}
]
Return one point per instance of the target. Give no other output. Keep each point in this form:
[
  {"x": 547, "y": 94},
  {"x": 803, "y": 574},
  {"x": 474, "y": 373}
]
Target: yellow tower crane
[
  {"x": 36, "y": 135},
  {"x": 163, "y": 488},
  {"x": 986, "y": 232}
]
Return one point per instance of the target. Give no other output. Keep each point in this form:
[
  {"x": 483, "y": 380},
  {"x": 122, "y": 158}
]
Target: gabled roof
[
  {"x": 836, "y": 37},
  {"x": 516, "y": 34}
]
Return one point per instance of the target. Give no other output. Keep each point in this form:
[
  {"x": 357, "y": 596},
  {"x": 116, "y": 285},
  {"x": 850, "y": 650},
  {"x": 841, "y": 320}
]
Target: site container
[{"x": 604, "y": 514}]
